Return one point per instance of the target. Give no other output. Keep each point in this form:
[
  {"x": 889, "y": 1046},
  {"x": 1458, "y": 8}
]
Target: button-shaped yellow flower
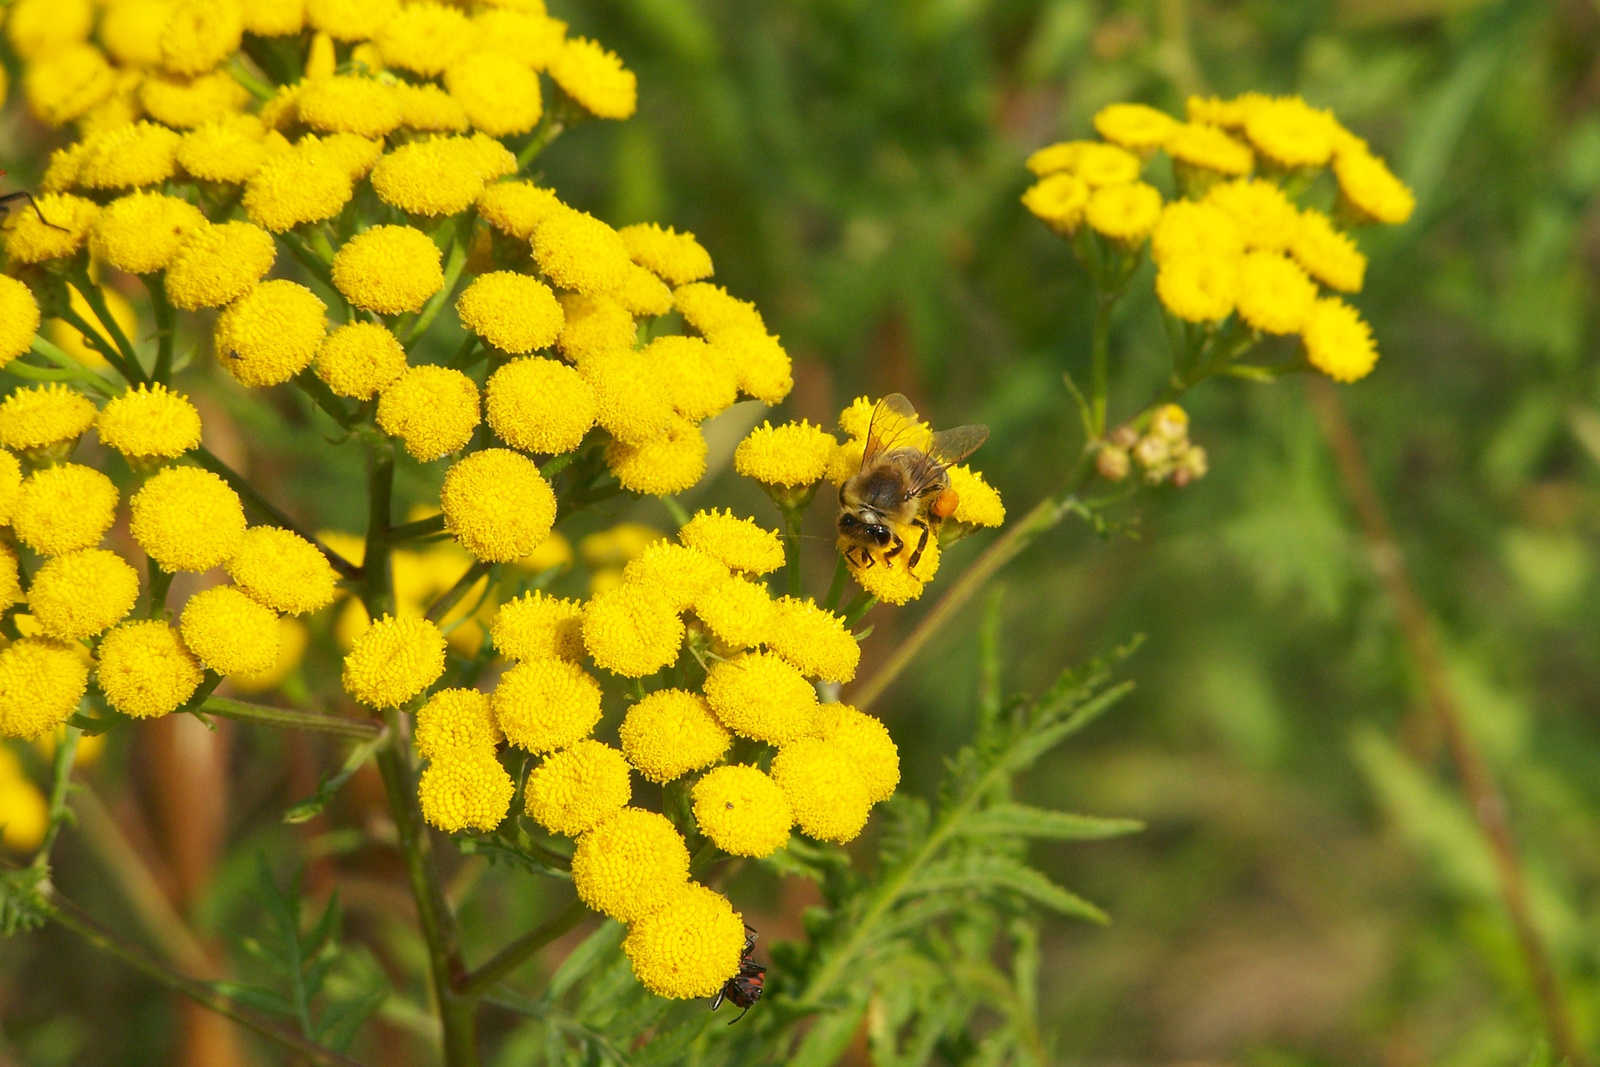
[
  {"x": 897, "y": 584},
  {"x": 274, "y": 18},
  {"x": 1291, "y": 133},
  {"x": 698, "y": 380},
  {"x": 1328, "y": 255},
  {"x": 738, "y": 543},
  {"x": 217, "y": 265},
  {"x": 41, "y": 682},
  {"x": 297, "y": 186},
  {"x": 630, "y": 865},
  {"x": 271, "y": 333},
  {"x": 680, "y": 574},
  {"x": 827, "y": 791},
  {"x": 1136, "y": 127},
  {"x": 141, "y": 233},
  {"x": 594, "y": 326},
  {"x": 465, "y": 787},
  {"x": 19, "y": 318},
  {"x": 79, "y": 594},
  {"x": 453, "y": 718},
  {"x": 497, "y": 504},
  {"x": 30, "y": 240},
  {"x": 1195, "y": 228},
  {"x": 743, "y": 811},
  {"x": 792, "y": 455},
  {"x": 1125, "y": 213},
  {"x": 64, "y": 508},
  {"x": 642, "y": 293},
  {"x": 1058, "y": 201},
  {"x": 632, "y": 630},
  {"x": 427, "y": 108},
  {"x": 758, "y": 695},
  {"x": 866, "y": 744},
  {"x": 675, "y": 258},
  {"x": 283, "y": 570},
  {"x": 393, "y": 661},
  {"x": 689, "y": 947},
  {"x": 1275, "y": 294},
  {"x": 10, "y": 577},
  {"x": 140, "y": 153},
  {"x": 187, "y": 519},
  {"x": 229, "y": 632},
  {"x": 1210, "y": 151},
  {"x": 226, "y": 149},
  {"x": 11, "y": 486},
  {"x": 672, "y": 732},
  {"x": 631, "y": 401},
  {"x": 578, "y": 787},
  {"x": 425, "y": 38},
  {"x": 44, "y": 415},
  {"x": 738, "y": 612},
  {"x": 438, "y": 177},
  {"x": 977, "y": 502},
  {"x": 1338, "y": 342},
  {"x": 595, "y": 78},
  {"x": 389, "y": 269},
  {"x": 500, "y": 95},
  {"x": 813, "y": 641},
  {"x": 351, "y": 20},
  {"x": 1265, "y": 216},
  {"x": 66, "y": 83},
  {"x": 512, "y": 312},
  {"x": 354, "y": 154},
  {"x": 578, "y": 251},
  {"x": 186, "y": 103},
  {"x": 359, "y": 359},
  {"x": 712, "y": 311},
  {"x": 539, "y": 626},
  {"x": 146, "y": 670},
  {"x": 517, "y": 208},
  {"x": 523, "y": 31},
  {"x": 540, "y": 405},
  {"x": 37, "y": 27},
  {"x": 1367, "y": 185},
  {"x": 432, "y": 409},
  {"x": 546, "y": 704},
  {"x": 200, "y": 34},
  {"x": 349, "y": 104},
  {"x": 766, "y": 373},
  {"x": 1198, "y": 288}
]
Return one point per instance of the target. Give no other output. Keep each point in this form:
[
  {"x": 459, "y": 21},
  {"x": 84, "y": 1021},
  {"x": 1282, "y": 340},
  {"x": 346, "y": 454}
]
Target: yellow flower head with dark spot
[
  {"x": 349, "y": 104},
  {"x": 742, "y": 811},
  {"x": 229, "y": 632},
  {"x": 827, "y": 791},
  {"x": 271, "y": 333},
  {"x": 41, "y": 682},
  {"x": 454, "y": 718},
  {"x": 187, "y": 519},
  {"x": 1290, "y": 133},
  {"x": 672, "y": 732},
  {"x": 19, "y": 318},
  {"x": 393, "y": 661},
  {"x": 30, "y": 240},
  {"x": 680, "y": 574},
  {"x": 1327, "y": 255},
  {"x": 44, "y": 415},
  {"x": 1198, "y": 287},
  {"x": 594, "y": 326},
  {"x": 759, "y": 696},
  {"x": 540, "y": 405},
  {"x": 301, "y": 185},
  {"x": 1266, "y": 218},
  {"x": 200, "y": 34},
  {"x": 499, "y": 94},
  {"x": 497, "y": 504},
  {"x": 738, "y": 543},
  {"x": 517, "y": 208},
  {"x": 866, "y": 744},
  {"x": 140, "y": 233},
  {"x": 667, "y": 464},
  {"x": 425, "y": 38},
  {"x": 389, "y": 269},
  {"x": 187, "y": 103},
  {"x": 630, "y": 865},
  {"x": 1125, "y": 213},
  {"x": 632, "y": 630},
  {"x": 546, "y": 704},
  {"x": 81, "y": 593},
  {"x": 813, "y": 641},
  {"x": 217, "y": 265},
  {"x": 578, "y": 787},
  {"x": 1275, "y": 294},
  {"x": 675, "y": 258},
  {"x": 141, "y": 153},
  {"x": 697, "y": 380},
  {"x": 1195, "y": 228},
  {"x": 578, "y": 251},
  {"x": 1367, "y": 185},
  {"x": 1136, "y": 127},
  {"x": 631, "y": 401},
  {"x": 67, "y": 83},
  {"x": 1338, "y": 342},
  {"x": 64, "y": 508},
  {"x": 977, "y": 502},
  {"x": 465, "y": 787},
  {"x": 438, "y": 177},
  {"x": 359, "y": 359},
  {"x": 738, "y": 612},
  {"x": 595, "y": 78},
  {"x": 226, "y": 149},
  {"x": 539, "y": 626},
  {"x": 793, "y": 454},
  {"x": 283, "y": 570},
  {"x": 1058, "y": 200},
  {"x": 432, "y": 409},
  {"x": 689, "y": 947},
  {"x": 512, "y": 312},
  {"x": 145, "y": 670}
]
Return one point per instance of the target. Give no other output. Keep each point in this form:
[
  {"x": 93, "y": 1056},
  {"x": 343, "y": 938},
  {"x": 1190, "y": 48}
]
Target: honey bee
[{"x": 902, "y": 492}]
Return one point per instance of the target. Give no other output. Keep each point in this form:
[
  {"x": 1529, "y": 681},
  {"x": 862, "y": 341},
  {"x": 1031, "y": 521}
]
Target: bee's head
[{"x": 863, "y": 526}]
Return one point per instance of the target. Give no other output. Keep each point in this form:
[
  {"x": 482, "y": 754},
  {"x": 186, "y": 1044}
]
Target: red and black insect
[
  {"x": 744, "y": 988},
  {"x": 7, "y": 199}
]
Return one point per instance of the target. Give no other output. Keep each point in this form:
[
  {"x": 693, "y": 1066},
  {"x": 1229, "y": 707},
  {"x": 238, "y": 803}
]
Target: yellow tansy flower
[
  {"x": 64, "y": 508},
  {"x": 738, "y": 612},
  {"x": 1266, "y": 218},
  {"x": 1368, "y": 186},
  {"x": 512, "y": 312},
  {"x": 349, "y": 104},
  {"x": 517, "y": 208},
  {"x": 145, "y": 670},
  {"x": 1229, "y": 114},
  {"x": 428, "y": 108},
  {"x": 274, "y": 18},
  {"x": 594, "y": 326},
  {"x": 432, "y": 409},
  {"x": 1136, "y": 127},
  {"x": 229, "y": 632},
  {"x": 297, "y": 186},
  {"x": 465, "y": 787},
  {"x": 711, "y": 311},
  {"x": 499, "y": 94},
  {"x": 827, "y": 791},
  {"x": 578, "y": 787},
  {"x": 425, "y": 38},
  {"x": 897, "y": 584},
  {"x": 497, "y": 504},
  {"x": 595, "y": 78},
  {"x": 150, "y": 421},
  {"x": 1327, "y": 255},
  {"x": 540, "y": 405},
  {"x": 667, "y": 464},
  {"x": 201, "y": 34},
  {"x": 546, "y": 704},
  {"x": 438, "y": 177},
  {"x": 539, "y": 626},
  {"x": 227, "y": 149},
  {"x": 1275, "y": 294},
  {"x": 187, "y": 519},
  {"x": 140, "y": 153},
  {"x": 678, "y": 573},
  {"x": 578, "y": 251},
  {"x": 1290, "y": 133},
  {"x": 1125, "y": 213},
  {"x": 1101, "y": 165},
  {"x": 283, "y": 570},
  {"x": 41, "y": 683},
  {"x": 529, "y": 36},
  {"x": 630, "y": 865},
  {"x": 643, "y": 294},
  {"x": 188, "y": 103},
  {"x": 359, "y": 359},
  {"x": 866, "y": 745},
  {"x": 632, "y": 630},
  {"x": 672, "y": 732},
  {"x": 689, "y": 947},
  {"x": 67, "y": 83},
  {"x": 813, "y": 641},
  {"x": 29, "y": 240},
  {"x": 393, "y": 661},
  {"x": 1195, "y": 228},
  {"x": 141, "y": 233},
  {"x": 351, "y": 151},
  {"x": 389, "y": 269},
  {"x": 19, "y": 318},
  {"x": 1058, "y": 200},
  {"x": 758, "y": 695},
  {"x": 351, "y": 20},
  {"x": 217, "y": 265},
  {"x": 11, "y": 486},
  {"x": 44, "y": 415},
  {"x": 37, "y": 27},
  {"x": 1198, "y": 287},
  {"x": 271, "y": 333},
  {"x": 742, "y": 811},
  {"x": 793, "y": 454},
  {"x": 79, "y": 594},
  {"x": 1056, "y": 158},
  {"x": 699, "y": 382},
  {"x": 977, "y": 503},
  {"x": 631, "y": 401},
  {"x": 675, "y": 258},
  {"x": 764, "y": 368},
  {"x": 735, "y": 542},
  {"x": 1209, "y": 149},
  {"x": 1338, "y": 342},
  {"x": 453, "y": 718}
]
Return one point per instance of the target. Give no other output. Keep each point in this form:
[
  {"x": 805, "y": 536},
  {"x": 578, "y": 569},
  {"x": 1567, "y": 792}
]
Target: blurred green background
[{"x": 1311, "y": 888}]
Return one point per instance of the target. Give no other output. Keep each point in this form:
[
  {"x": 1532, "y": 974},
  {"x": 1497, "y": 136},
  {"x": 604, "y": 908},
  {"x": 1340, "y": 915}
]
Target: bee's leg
[
  {"x": 899, "y": 547},
  {"x": 12, "y": 198},
  {"x": 922, "y": 543}
]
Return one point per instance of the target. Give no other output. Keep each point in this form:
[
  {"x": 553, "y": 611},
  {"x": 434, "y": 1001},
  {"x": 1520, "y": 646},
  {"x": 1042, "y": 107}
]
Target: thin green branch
[
  {"x": 79, "y": 277},
  {"x": 451, "y": 597},
  {"x": 337, "y": 725},
  {"x": 548, "y": 130},
  {"x": 97, "y": 341},
  {"x": 520, "y": 951},
  {"x": 412, "y": 531},
  {"x": 61, "y": 780},
  {"x": 166, "y": 326},
  {"x": 268, "y": 510},
  {"x": 378, "y": 591},
  {"x": 317, "y": 389}
]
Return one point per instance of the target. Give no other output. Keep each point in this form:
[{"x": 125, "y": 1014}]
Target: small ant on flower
[
  {"x": 744, "y": 988},
  {"x": 7, "y": 199}
]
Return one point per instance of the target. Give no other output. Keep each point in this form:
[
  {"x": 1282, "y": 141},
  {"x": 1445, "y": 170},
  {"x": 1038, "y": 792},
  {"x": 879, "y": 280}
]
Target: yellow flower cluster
[{"x": 1235, "y": 243}]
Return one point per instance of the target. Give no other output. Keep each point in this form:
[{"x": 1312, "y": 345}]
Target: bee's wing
[
  {"x": 947, "y": 448},
  {"x": 879, "y": 437}
]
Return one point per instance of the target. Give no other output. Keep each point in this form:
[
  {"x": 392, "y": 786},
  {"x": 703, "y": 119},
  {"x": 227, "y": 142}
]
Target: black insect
[
  {"x": 744, "y": 988},
  {"x": 7, "y": 199}
]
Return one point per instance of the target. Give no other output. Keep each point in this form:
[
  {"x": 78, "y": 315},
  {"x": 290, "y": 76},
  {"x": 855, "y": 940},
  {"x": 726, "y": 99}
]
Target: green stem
[
  {"x": 467, "y": 356},
  {"x": 160, "y": 581},
  {"x": 1099, "y": 351},
  {"x": 61, "y": 772},
  {"x": 378, "y": 591},
  {"x": 520, "y": 951},
  {"x": 841, "y": 571},
  {"x": 87, "y": 375},
  {"x": 308, "y": 259},
  {"x": 317, "y": 389},
  {"x": 166, "y": 326},
  {"x": 337, "y": 725},
  {"x": 267, "y": 509},
  {"x": 411, "y": 531},
  {"x": 450, "y": 598},
  {"x": 454, "y": 265},
  {"x": 791, "y": 547},
  {"x": 97, "y": 341},
  {"x": 858, "y": 608},
  {"x": 96, "y": 300},
  {"x": 548, "y": 130}
]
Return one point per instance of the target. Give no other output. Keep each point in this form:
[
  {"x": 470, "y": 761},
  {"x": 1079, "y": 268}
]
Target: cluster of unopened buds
[{"x": 1161, "y": 452}]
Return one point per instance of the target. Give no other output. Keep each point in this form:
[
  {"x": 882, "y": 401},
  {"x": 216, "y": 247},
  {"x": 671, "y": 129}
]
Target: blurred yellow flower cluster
[{"x": 1242, "y": 238}]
